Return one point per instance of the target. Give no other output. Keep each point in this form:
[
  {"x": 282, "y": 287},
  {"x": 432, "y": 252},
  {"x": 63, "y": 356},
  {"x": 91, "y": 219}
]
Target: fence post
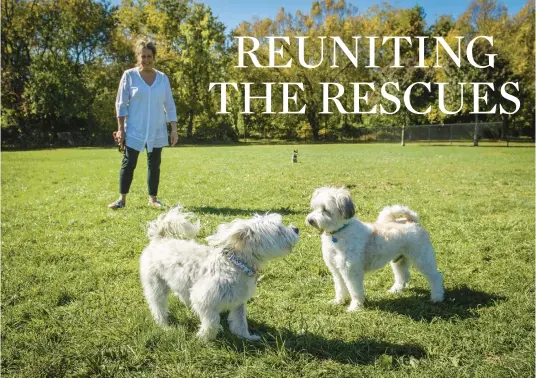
[
  {"x": 475, "y": 138},
  {"x": 508, "y": 131}
]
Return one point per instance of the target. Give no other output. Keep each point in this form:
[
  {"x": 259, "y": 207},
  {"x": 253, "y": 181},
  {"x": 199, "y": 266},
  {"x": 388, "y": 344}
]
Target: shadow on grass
[
  {"x": 460, "y": 303},
  {"x": 242, "y": 212},
  {"x": 363, "y": 351},
  {"x": 185, "y": 318}
]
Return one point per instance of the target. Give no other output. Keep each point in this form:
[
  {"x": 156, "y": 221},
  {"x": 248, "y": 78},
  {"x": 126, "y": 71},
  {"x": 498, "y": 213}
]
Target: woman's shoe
[
  {"x": 155, "y": 203},
  {"x": 119, "y": 204}
]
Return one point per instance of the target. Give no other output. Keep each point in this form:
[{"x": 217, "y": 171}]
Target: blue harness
[{"x": 239, "y": 263}]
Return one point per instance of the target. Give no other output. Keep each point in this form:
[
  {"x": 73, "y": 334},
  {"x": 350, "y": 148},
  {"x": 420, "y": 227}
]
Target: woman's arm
[
  {"x": 120, "y": 130},
  {"x": 123, "y": 97},
  {"x": 171, "y": 113},
  {"x": 121, "y": 107},
  {"x": 174, "y": 136}
]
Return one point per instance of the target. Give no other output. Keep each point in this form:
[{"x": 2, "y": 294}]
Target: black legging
[{"x": 130, "y": 159}]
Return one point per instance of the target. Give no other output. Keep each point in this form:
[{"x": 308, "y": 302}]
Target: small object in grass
[{"x": 295, "y": 156}]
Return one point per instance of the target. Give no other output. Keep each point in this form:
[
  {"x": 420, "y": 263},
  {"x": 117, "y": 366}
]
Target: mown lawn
[{"x": 72, "y": 303}]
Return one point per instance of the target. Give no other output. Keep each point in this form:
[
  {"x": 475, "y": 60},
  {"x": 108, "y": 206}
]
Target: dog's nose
[
  {"x": 311, "y": 221},
  {"x": 295, "y": 229}
]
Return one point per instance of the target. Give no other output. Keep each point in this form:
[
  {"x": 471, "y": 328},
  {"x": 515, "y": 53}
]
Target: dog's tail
[
  {"x": 174, "y": 224},
  {"x": 395, "y": 213}
]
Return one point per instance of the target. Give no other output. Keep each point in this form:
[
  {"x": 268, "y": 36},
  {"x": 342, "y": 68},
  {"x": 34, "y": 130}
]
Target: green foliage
[
  {"x": 46, "y": 49},
  {"x": 61, "y": 62},
  {"x": 190, "y": 43},
  {"x": 203, "y": 42},
  {"x": 72, "y": 303}
]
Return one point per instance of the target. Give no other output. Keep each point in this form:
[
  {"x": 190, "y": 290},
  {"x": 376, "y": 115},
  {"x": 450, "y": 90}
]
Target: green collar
[{"x": 333, "y": 238}]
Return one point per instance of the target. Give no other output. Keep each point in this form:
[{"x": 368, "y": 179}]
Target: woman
[{"x": 144, "y": 103}]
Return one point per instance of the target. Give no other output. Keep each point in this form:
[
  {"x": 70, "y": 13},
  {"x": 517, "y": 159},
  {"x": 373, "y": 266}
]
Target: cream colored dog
[
  {"x": 210, "y": 279},
  {"x": 351, "y": 248}
]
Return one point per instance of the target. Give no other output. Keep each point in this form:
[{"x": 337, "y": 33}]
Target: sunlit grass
[{"x": 72, "y": 303}]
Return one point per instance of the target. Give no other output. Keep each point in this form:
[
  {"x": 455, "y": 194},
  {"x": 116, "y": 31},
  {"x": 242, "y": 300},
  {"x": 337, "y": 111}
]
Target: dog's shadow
[
  {"x": 460, "y": 303},
  {"x": 363, "y": 351},
  {"x": 227, "y": 211}
]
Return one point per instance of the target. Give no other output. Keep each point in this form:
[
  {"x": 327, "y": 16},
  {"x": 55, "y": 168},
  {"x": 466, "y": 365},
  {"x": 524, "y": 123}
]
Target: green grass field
[{"x": 72, "y": 304}]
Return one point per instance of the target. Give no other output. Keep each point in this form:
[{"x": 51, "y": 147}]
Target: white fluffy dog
[
  {"x": 210, "y": 279},
  {"x": 351, "y": 248}
]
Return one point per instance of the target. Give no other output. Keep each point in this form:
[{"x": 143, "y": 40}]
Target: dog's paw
[
  {"x": 336, "y": 301},
  {"x": 166, "y": 327},
  {"x": 396, "y": 289},
  {"x": 207, "y": 334},
  {"x": 162, "y": 322},
  {"x": 354, "y": 307},
  {"x": 437, "y": 298},
  {"x": 252, "y": 337},
  {"x": 205, "y": 338}
]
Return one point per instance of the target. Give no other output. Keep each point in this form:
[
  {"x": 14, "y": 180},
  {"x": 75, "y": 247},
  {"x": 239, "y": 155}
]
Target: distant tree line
[{"x": 62, "y": 61}]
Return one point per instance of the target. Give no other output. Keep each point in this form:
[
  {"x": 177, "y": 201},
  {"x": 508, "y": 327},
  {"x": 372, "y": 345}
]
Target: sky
[{"x": 232, "y": 12}]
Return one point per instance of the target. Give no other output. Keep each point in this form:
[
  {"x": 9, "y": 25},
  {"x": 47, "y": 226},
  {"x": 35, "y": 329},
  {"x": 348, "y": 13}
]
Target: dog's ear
[
  {"x": 345, "y": 204},
  {"x": 316, "y": 193},
  {"x": 243, "y": 233},
  {"x": 240, "y": 236},
  {"x": 231, "y": 235}
]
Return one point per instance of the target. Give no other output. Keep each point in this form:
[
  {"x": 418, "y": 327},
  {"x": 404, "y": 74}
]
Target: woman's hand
[
  {"x": 120, "y": 133},
  {"x": 120, "y": 136},
  {"x": 174, "y": 137}
]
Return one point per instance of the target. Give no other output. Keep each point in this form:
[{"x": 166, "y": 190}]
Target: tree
[
  {"x": 203, "y": 42},
  {"x": 19, "y": 28},
  {"x": 191, "y": 48},
  {"x": 46, "y": 48}
]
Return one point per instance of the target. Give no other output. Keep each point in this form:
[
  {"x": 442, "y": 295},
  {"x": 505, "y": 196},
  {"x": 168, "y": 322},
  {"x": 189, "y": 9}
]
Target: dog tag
[{"x": 334, "y": 239}]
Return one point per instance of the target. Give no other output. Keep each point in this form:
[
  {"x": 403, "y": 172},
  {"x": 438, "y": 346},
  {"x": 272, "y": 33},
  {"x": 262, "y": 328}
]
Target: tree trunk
[
  {"x": 504, "y": 127},
  {"x": 190, "y": 127},
  {"x": 247, "y": 118},
  {"x": 475, "y": 137},
  {"x": 235, "y": 117},
  {"x": 313, "y": 122},
  {"x": 533, "y": 127}
]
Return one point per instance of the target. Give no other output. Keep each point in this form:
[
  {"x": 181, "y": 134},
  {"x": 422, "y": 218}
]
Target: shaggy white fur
[
  {"x": 351, "y": 248},
  {"x": 204, "y": 277}
]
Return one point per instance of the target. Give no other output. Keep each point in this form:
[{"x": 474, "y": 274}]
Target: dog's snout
[{"x": 295, "y": 229}]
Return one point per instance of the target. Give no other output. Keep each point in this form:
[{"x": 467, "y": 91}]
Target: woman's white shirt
[{"x": 146, "y": 108}]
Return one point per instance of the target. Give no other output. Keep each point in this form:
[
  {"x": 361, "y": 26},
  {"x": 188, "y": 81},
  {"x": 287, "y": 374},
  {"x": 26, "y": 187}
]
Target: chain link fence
[
  {"x": 456, "y": 133},
  {"x": 436, "y": 133}
]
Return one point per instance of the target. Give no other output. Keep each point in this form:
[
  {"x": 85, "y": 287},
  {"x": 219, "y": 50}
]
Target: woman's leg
[
  {"x": 154, "y": 159},
  {"x": 130, "y": 159}
]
